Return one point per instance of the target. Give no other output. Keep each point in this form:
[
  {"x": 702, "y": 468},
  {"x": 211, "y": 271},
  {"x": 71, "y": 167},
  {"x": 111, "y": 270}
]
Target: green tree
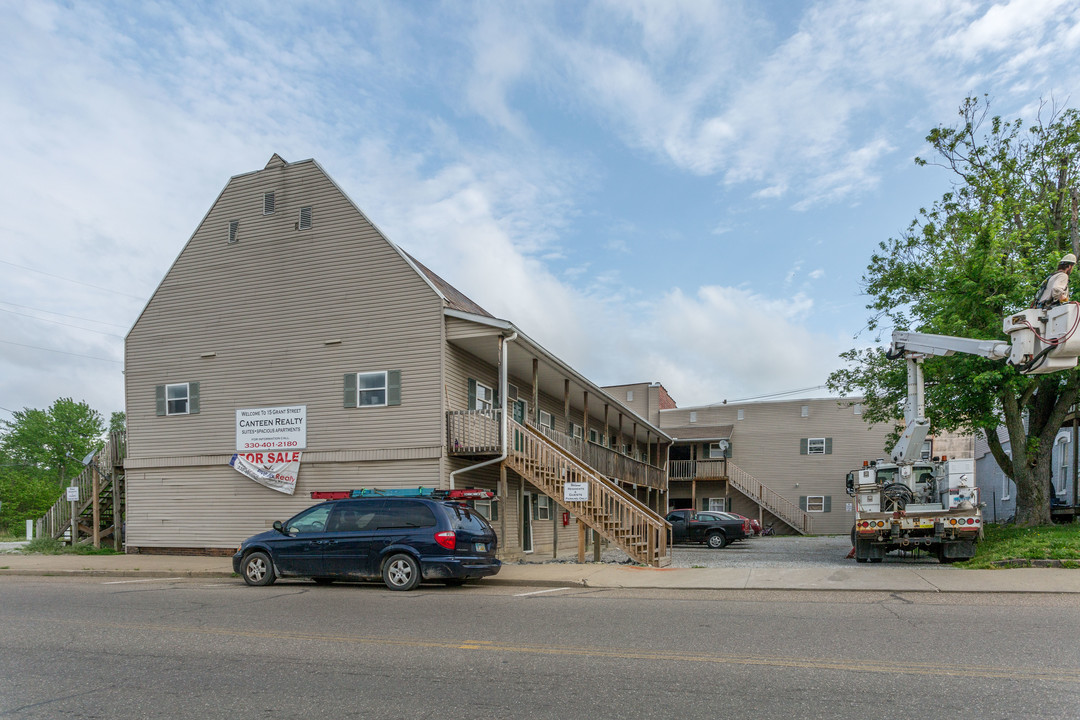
[
  {"x": 118, "y": 422},
  {"x": 53, "y": 442},
  {"x": 977, "y": 254}
]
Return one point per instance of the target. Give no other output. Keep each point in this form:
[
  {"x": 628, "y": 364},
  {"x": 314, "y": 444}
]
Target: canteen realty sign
[{"x": 268, "y": 444}]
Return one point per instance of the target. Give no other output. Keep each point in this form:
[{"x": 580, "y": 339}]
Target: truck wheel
[{"x": 716, "y": 540}]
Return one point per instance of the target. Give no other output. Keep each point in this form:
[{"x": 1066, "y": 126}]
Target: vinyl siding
[
  {"x": 766, "y": 445},
  {"x": 265, "y": 308},
  {"x": 216, "y": 507}
]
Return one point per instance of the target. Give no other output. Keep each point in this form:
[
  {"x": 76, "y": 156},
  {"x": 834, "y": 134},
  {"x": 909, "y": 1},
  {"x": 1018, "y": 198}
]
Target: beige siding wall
[
  {"x": 263, "y": 310},
  {"x": 766, "y": 444},
  {"x": 213, "y": 506}
]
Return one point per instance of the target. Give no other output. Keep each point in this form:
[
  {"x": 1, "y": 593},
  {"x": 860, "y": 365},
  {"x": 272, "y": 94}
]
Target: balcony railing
[
  {"x": 691, "y": 469},
  {"x": 476, "y": 432},
  {"x": 473, "y": 432},
  {"x": 608, "y": 462}
]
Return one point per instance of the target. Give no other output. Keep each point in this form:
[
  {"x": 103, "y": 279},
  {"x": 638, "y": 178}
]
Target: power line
[
  {"x": 52, "y": 312},
  {"x": 62, "y": 352},
  {"x": 77, "y": 282},
  {"x": 57, "y": 322},
  {"x": 769, "y": 395}
]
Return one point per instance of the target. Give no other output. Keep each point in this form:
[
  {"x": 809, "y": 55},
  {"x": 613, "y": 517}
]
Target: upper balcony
[
  {"x": 476, "y": 432},
  {"x": 697, "y": 469}
]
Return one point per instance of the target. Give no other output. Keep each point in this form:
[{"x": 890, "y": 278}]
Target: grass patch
[
  {"x": 49, "y": 546},
  {"x": 10, "y": 537},
  {"x": 1002, "y": 543}
]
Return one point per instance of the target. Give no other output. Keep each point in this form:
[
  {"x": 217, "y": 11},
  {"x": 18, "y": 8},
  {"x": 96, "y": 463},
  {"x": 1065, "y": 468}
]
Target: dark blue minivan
[{"x": 403, "y": 540}]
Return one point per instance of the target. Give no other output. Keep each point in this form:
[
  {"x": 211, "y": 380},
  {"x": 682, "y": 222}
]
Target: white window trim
[
  {"x": 547, "y": 419},
  {"x": 360, "y": 390},
  {"x": 740, "y": 415},
  {"x": 487, "y": 508},
  {"x": 488, "y": 404},
  {"x": 804, "y": 411},
  {"x": 858, "y": 408},
  {"x": 1006, "y": 487},
  {"x": 815, "y": 500},
  {"x": 811, "y": 445},
  {"x": 629, "y": 396},
  {"x": 716, "y": 451},
  {"x": 715, "y": 504},
  {"x": 186, "y": 398},
  {"x": 543, "y": 507},
  {"x": 693, "y": 416}
]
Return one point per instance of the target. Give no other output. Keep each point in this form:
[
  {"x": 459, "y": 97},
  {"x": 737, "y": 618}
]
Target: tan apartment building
[
  {"x": 783, "y": 462},
  {"x": 292, "y": 348}
]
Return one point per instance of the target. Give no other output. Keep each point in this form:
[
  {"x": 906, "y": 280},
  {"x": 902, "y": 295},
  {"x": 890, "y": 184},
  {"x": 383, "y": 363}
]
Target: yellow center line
[{"x": 1059, "y": 674}]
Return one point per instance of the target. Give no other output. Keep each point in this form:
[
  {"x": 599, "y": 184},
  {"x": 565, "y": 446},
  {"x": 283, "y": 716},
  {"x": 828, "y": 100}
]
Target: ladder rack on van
[{"x": 462, "y": 494}]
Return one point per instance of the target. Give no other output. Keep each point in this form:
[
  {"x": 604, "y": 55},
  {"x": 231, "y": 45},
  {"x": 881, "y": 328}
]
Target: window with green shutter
[
  {"x": 815, "y": 446},
  {"x": 177, "y": 399},
  {"x": 380, "y": 388}
]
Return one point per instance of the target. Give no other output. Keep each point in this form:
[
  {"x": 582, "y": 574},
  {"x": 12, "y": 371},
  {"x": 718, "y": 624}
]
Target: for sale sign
[
  {"x": 275, "y": 470},
  {"x": 271, "y": 428}
]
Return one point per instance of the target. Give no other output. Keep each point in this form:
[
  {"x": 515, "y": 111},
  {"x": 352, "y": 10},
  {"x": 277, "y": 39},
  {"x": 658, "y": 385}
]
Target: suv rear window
[{"x": 404, "y": 514}]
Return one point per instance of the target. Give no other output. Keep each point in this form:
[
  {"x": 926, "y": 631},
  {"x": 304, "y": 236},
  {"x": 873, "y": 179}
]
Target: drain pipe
[{"x": 504, "y": 425}]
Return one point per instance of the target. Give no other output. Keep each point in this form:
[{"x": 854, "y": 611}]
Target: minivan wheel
[
  {"x": 258, "y": 570},
  {"x": 716, "y": 540},
  {"x": 400, "y": 572}
]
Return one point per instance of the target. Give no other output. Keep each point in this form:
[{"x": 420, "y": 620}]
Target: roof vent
[
  {"x": 268, "y": 203},
  {"x": 234, "y": 231},
  {"x": 305, "y": 219}
]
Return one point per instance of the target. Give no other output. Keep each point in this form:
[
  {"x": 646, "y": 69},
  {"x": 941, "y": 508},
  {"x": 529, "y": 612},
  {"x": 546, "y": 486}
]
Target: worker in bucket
[{"x": 1055, "y": 289}]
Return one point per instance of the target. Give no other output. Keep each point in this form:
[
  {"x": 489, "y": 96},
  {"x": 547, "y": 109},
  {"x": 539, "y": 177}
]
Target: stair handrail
[
  {"x": 606, "y": 491},
  {"x": 770, "y": 499}
]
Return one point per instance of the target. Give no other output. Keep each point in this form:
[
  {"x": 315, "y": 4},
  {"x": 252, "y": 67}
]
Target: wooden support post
[
  {"x": 648, "y": 447},
  {"x": 503, "y": 502},
  {"x": 74, "y": 525},
  {"x": 566, "y": 405},
  {"x": 633, "y": 444},
  {"x": 607, "y": 427},
  {"x": 585, "y": 420},
  {"x": 693, "y": 493},
  {"x": 619, "y": 442},
  {"x": 595, "y": 546},
  {"x": 536, "y": 391},
  {"x": 95, "y": 488},
  {"x": 554, "y": 527},
  {"x": 580, "y": 541}
]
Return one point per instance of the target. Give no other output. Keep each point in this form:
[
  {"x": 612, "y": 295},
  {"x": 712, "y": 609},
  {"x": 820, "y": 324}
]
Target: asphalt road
[{"x": 121, "y": 648}]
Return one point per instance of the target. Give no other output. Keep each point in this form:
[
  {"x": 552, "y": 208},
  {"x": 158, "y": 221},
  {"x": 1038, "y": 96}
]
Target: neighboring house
[
  {"x": 288, "y": 307},
  {"x": 998, "y": 491},
  {"x": 783, "y": 462}
]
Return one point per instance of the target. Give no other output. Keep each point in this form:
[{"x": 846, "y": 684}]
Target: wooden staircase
[
  {"x": 612, "y": 512},
  {"x": 99, "y": 514},
  {"x": 760, "y": 493}
]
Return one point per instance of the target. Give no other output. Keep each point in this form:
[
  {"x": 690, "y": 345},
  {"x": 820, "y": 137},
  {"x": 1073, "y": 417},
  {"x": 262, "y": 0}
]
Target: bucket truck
[{"x": 907, "y": 502}]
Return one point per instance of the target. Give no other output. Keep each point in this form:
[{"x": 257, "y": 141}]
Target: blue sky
[{"x": 686, "y": 192}]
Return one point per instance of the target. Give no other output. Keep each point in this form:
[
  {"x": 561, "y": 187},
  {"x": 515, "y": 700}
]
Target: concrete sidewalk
[{"x": 888, "y": 578}]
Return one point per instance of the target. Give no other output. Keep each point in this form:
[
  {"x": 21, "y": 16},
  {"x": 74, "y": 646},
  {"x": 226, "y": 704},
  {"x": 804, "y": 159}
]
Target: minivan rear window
[{"x": 464, "y": 518}]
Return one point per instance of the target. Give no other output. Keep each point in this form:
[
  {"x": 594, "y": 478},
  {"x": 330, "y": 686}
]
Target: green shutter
[
  {"x": 393, "y": 387},
  {"x": 828, "y": 503},
  {"x": 495, "y": 397},
  {"x": 472, "y": 394},
  {"x": 159, "y": 399},
  {"x": 802, "y": 503},
  {"x": 828, "y": 446},
  {"x": 519, "y": 412},
  {"x": 193, "y": 398},
  {"x": 350, "y": 390},
  {"x": 804, "y": 445}
]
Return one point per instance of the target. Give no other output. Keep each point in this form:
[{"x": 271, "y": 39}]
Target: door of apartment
[{"x": 526, "y": 523}]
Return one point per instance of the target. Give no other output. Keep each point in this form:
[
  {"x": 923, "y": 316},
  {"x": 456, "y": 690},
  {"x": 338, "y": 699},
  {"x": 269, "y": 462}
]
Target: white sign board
[
  {"x": 576, "y": 492},
  {"x": 271, "y": 428},
  {"x": 73, "y": 494}
]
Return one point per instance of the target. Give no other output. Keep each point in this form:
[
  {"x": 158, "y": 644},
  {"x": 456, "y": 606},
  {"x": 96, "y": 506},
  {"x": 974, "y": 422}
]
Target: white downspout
[{"x": 504, "y": 425}]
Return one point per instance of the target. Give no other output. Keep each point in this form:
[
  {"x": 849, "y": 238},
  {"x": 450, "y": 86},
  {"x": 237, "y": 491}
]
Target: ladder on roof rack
[{"x": 462, "y": 494}]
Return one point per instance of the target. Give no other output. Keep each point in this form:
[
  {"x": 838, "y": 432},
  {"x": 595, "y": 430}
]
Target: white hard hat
[{"x": 1070, "y": 259}]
